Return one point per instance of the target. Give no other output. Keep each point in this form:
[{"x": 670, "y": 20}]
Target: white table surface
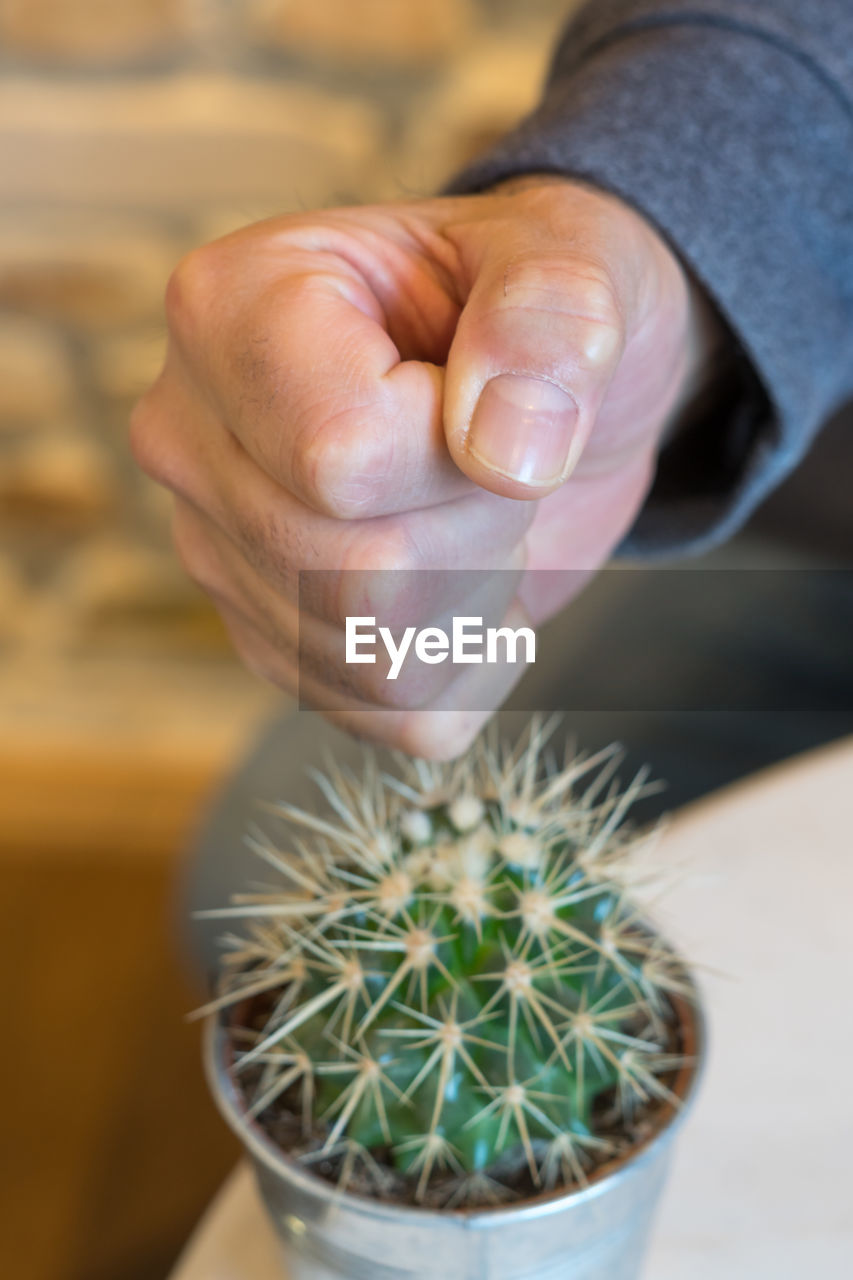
[{"x": 762, "y": 1187}]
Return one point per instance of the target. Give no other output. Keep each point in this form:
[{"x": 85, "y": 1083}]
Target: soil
[{"x": 372, "y": 1174}]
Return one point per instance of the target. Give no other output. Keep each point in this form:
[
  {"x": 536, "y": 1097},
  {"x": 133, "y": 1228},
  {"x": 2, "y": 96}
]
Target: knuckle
[
  {"x": 598, "y": 345},
  {"x": 343, "y": 468},
  {"x": 385, "y": 548},
  {"x": 300, "y": 289},
  {"x": 194, "y": 553},
  {"x": 601, "y": 328},
  {"x": 157, "y": 451},
  {"x": 414, "y": 687},
  {"x": 150, "y": 444},
  {"x": 379, "y": 576},
  {"x": 191, "y": 290},
  {"x": 566, "y": 286},
  {"x": 141, "y": 436},
  {"x": 596, "y": 295}
]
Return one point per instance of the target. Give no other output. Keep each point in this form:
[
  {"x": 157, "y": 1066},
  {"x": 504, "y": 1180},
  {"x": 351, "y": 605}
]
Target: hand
[{"x": 469, "y": 382}]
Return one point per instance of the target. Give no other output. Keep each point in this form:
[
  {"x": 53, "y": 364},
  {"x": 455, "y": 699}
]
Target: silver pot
[{"x": 596, "y": 1233}]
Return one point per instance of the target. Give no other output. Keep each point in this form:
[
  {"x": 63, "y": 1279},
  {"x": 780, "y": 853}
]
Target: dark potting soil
[{"x": 372, "y": 1173}]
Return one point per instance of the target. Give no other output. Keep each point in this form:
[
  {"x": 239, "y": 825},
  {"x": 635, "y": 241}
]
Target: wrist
[{"x": 709, "y": 354}]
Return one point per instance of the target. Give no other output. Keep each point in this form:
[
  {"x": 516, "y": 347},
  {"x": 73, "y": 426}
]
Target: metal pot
[{"x": 596, "y": 1233}]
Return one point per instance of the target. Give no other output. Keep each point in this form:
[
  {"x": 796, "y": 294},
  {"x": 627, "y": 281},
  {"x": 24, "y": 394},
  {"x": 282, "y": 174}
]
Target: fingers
[
  {"x": 415, "y": 554},
  {"x": 245, "y": 540},
  {"x": 299, "y": 353},
  {"x": 306, "y": 655},
  {"x": 317, "y": 645},
  {"x": 299, "y": 338},
  {"x": 538, "y": 342},
  {"x": 440, "y": 730}
]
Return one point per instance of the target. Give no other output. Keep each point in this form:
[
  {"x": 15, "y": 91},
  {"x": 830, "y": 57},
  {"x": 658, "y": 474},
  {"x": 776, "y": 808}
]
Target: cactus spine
[{"x": 451, "y": 976}]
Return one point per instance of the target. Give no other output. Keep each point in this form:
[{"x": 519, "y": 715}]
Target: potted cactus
[{"x": 450, "y": 1042}]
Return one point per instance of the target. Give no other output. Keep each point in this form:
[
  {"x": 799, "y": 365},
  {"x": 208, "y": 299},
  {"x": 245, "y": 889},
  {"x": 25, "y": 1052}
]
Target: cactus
[{"x": 449, "y": 980}]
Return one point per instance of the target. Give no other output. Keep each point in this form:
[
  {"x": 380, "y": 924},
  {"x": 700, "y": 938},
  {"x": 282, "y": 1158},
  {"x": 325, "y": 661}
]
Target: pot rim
[{"x": 268, "y": 1153}]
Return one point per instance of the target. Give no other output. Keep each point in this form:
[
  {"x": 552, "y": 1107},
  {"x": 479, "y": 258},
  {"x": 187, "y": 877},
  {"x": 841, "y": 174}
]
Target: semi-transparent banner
[{"x": 627, "y": 639}]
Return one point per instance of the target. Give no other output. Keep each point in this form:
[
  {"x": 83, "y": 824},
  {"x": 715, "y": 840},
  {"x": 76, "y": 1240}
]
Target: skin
[{"x": 315, "y": 412}]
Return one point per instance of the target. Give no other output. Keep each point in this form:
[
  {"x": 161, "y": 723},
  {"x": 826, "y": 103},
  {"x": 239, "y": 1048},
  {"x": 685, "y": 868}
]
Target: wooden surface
[
  {"x": 761, "y": 1188},
  {"x": 110, "y": 1147}
]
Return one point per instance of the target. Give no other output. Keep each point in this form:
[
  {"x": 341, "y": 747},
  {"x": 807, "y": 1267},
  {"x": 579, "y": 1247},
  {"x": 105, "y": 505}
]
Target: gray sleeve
[{"x": 729, "y": 124}]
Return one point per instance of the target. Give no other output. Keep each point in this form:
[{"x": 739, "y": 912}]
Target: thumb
[{"x": 536, "y": 346}]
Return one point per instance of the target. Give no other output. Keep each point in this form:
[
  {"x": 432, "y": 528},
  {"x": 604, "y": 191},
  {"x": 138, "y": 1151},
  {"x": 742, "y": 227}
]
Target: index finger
[{"x": 294, "y": 350}]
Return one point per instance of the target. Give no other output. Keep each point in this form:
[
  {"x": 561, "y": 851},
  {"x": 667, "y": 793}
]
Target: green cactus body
[{"x": 456, "y": 977}]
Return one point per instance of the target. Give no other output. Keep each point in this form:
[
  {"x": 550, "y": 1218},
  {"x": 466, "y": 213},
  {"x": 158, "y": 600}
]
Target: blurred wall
[{"x": 129, "y": 131}]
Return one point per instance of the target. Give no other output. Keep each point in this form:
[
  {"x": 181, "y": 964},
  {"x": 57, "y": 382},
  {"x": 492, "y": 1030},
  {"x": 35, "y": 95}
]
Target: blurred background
[{"x": 131, "y": 130}]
